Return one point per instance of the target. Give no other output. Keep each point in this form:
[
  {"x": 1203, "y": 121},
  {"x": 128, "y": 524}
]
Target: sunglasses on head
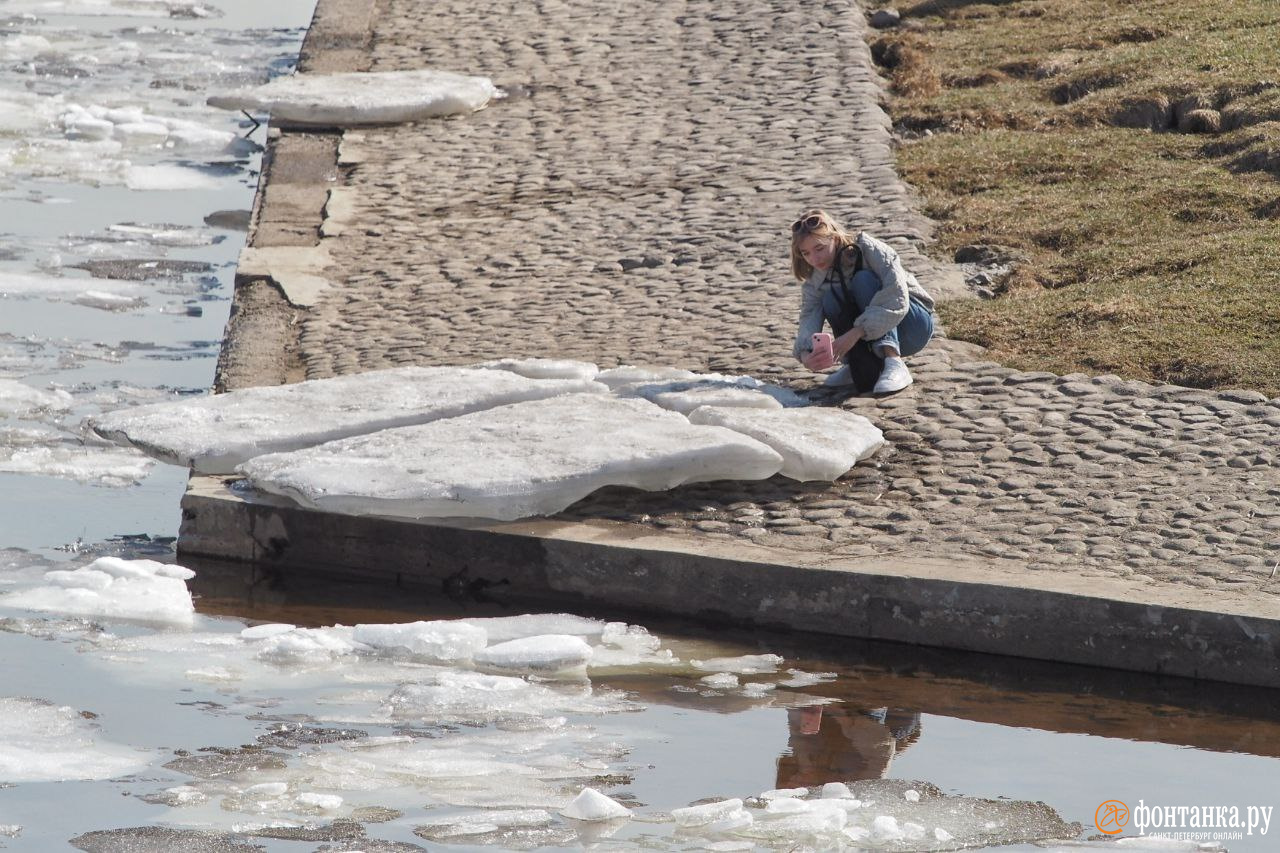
[{"x": 806, "y": 223}]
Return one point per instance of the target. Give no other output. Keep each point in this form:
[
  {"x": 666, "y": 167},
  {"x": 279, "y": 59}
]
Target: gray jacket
[{"x": 887, "y": 308}]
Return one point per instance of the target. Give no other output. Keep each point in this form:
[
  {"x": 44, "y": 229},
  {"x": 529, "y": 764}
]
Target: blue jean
[{"x": 908, "y": 337}]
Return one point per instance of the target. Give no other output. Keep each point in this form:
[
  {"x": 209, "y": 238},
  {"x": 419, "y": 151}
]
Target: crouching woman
[{"x": 876, "y": 309}]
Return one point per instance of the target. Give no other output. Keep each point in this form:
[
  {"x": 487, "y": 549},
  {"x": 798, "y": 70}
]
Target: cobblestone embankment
[{"x": 628, "y": 203}]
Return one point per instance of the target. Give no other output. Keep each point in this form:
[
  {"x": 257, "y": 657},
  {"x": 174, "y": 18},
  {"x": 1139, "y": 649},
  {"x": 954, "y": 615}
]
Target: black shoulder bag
[{"x": 864, "y": 365}]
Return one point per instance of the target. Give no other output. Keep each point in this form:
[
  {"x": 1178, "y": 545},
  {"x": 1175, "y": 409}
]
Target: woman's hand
[
  {"x": 815, "y": 360},
  {"x": 841, "y": 345}
]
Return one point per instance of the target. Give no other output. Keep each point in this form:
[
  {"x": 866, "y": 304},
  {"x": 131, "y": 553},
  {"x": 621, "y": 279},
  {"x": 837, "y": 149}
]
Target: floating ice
[
  {"x": 112, "y": 588},
  {"x": 441, "y": 640},
  {"x": 836, "y": 791},
  {"x": 168, "y": 178},
  {"x": 214, "y": 434},
  {"x": 709, "y": 814},
  {"x": 532, "y": 458},
  {"x": 307, "y": 646},
  {"x": 21, "y": 400},
  {"x": 107, "y": 301},
  {"x": 544, "y": 368},
  {"x": 30, "y": 285},
  {"x": 162, "y": 235},
  {"x": 503, "y": 628},
  {"x": 129, "y": 8},
  {"x": 343, "y": 100},
  {"x": 43, "y": 742},
  {"x": 800, "y": 678},
  {"x": 461, "y": 826},
  {"x": 552, "y": 653},
  {"x": 784, "y": 793},
  {"x": 815, "y": 443},
  {"x": 70, "y": 460},
  {"x": 262, "y": 632},
  {"x": 744, "y": 665},
  {"x": 470, "y": 697},
  {"x": 721, "y": 681},
  {"x": 592, "y": 805}
]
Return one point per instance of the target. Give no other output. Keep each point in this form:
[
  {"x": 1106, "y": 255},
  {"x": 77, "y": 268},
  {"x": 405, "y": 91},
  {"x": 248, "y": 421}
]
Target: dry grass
[{"x": 1131, "y": 152}]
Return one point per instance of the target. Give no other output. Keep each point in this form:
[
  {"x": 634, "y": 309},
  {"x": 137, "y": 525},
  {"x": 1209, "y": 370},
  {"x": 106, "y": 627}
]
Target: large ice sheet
[
  {"x": 43, "y": 742},
  {"x": 385, "y": 97},
  {"x": 214, "y": 434},
  {"x": 532, "y": 458},
  {"x": 815, "y": 443}
]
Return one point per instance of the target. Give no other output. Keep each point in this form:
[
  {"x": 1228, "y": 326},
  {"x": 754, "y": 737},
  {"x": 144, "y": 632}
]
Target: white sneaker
[
  {"x": 893, "y": 377},
  {"x": 843, "y": 376}
]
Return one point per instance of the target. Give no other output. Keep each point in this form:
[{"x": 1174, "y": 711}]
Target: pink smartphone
[{"x": 822, "y": 343}]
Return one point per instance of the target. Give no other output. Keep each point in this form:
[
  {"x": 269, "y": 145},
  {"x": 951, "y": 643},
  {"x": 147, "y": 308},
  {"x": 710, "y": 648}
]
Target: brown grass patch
[{"x": 1084, "y": 85}]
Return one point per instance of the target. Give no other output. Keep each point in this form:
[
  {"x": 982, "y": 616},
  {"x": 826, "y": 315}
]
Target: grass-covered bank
[{"x": 1127, "y": 157}]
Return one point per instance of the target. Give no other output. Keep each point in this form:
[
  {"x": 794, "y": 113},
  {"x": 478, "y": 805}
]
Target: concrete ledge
[{"x": 959, "y": 604}]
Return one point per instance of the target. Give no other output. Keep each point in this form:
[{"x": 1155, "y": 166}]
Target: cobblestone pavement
[{"x": 629, "y": 204}]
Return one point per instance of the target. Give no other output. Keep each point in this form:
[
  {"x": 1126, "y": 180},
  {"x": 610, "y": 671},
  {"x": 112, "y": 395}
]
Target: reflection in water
[{"x": 842, "y": 743}]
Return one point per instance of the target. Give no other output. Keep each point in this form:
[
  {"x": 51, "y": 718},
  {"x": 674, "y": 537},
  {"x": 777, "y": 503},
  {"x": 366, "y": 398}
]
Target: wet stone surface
[{"x": 631, "y": 206}]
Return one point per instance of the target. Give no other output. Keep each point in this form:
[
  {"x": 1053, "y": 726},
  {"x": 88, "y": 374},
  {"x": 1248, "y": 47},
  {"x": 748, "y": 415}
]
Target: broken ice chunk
[
  {"x": 552, "y": 653},
  {"x": 439, "y": 640},
  {"x": 815, "y": 443},
  {"x": 743, "y": 665},
  {"x": 706, "y": 813},
  {"x": 592, "y": 805}
]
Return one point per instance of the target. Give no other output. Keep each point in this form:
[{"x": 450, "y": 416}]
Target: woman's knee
[{"x": 916, "y": 329}]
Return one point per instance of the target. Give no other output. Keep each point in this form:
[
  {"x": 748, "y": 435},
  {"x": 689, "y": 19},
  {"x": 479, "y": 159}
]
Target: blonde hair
[{"x": 818, "y": 223}]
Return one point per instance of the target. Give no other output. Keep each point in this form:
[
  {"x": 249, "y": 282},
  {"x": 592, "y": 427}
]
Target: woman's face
[{"x": 817, "y": 251}]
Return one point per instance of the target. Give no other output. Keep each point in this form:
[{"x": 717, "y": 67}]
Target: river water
[{"x": 124, "y": 202}]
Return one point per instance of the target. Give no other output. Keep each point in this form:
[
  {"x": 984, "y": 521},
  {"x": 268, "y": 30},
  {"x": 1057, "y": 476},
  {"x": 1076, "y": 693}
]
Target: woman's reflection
[{"x": 840, "y": 743}]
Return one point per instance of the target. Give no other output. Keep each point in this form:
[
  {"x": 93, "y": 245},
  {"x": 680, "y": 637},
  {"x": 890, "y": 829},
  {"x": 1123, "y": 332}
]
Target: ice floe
[
  {"x": 815, "y": 443},
  {"x": 43, "y": 742},
  {"x": 531, "y": 458},
  {"x": 214, "y": 434},
  {"x": 356, "y": 98},
  {"x": 21, "y": 400},
  {"x": 591, "y": 805},
  {"x": 441, "y": 641},
  {"x": 62, "y": 456},
  {"x": 109, "y": 587},
  {"x": 550, "y": 653},
  {"x": 95, "y": 292}
]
